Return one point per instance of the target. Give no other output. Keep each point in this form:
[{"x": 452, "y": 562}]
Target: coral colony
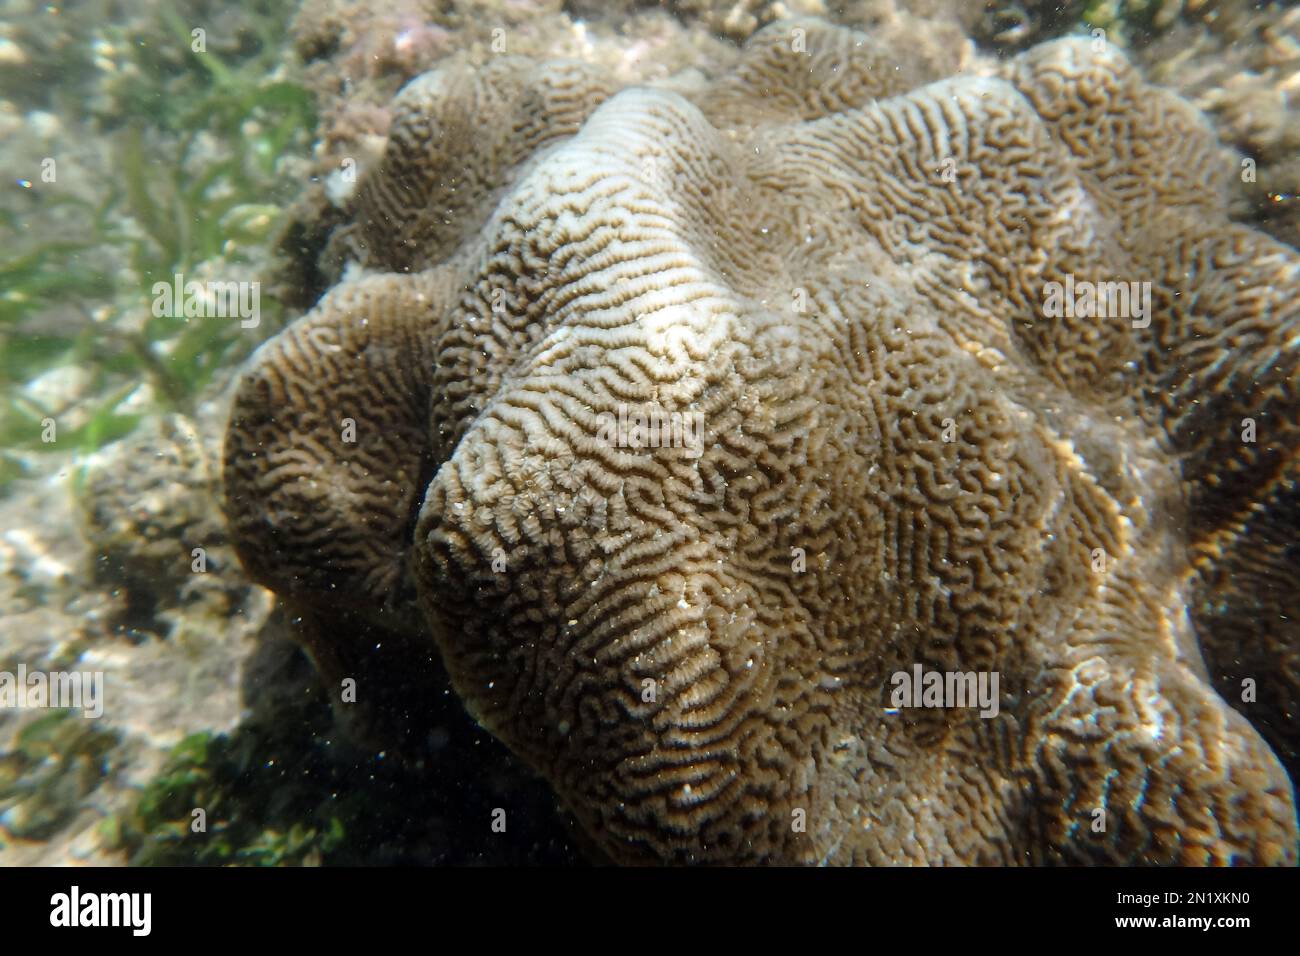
[{"x": 972, "y": 445}]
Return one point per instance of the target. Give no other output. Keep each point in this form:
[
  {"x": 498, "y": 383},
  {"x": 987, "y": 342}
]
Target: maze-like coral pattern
[{"x": 837, "y": 267}]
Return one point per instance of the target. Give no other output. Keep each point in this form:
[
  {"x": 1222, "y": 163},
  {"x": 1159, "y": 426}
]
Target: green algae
[
  {"x": 240, "y": 825},
  {"x": 57, "y": 761},
  {"x": 193, "y": 183}
]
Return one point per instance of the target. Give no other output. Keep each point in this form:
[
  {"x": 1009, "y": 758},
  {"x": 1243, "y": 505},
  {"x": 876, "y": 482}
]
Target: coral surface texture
[{"x": 677, "y": 421}]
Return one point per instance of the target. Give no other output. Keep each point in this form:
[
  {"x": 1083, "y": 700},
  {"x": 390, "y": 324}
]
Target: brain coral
[{"x": 836, "y": 269}]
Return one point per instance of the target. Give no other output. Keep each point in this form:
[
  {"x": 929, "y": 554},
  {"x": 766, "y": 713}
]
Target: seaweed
[
  {"x": 194, "y": 186},
  {"x": 241, "y": 825},
  {"x": 57, "y": 761}
]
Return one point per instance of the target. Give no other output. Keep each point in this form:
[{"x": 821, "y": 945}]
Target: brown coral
[{"x": 838, "y": 269}]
